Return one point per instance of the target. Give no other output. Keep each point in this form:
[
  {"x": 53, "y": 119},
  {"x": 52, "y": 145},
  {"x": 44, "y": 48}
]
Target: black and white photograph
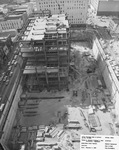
[{"x": 59, "y": 74}]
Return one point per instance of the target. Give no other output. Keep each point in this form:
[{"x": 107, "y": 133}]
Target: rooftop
[
  {"x": 112, "y": 6},
  {"x": 14, "y": 15},
  {"x": 20, "y": 10},
  {"x": 105, "y": 22},
  {"x": 38, "y": 27},
  {"x": 5, "y": 34}
]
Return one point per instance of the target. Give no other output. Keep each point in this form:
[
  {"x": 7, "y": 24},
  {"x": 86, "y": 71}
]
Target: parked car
[
  {"x": 7, "y": 82},
  {"x": 15, "y": 63},
  {"x": 10, "y": 68},
  {"x": 12, "y": 61},
  {"x": 2, "y": 106},
  {"x": 9, "y": 63},
  {"x": 2, "y": 76},
  {"x": 15, "y": 57},
  {"x": 11, "y": 73},
  {"x": 16, "y": 52},
  {"x": 5, "y": 78},
  {"x": 20, "y": 53}
]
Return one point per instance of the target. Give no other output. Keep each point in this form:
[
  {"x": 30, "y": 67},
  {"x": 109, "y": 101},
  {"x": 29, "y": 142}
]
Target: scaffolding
[{"x": 47, "y": 59}]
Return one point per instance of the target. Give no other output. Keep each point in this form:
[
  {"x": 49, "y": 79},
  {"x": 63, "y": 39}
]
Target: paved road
[
  {"x": 3, "y": 86},
  {"x": 5, "y": 90}
]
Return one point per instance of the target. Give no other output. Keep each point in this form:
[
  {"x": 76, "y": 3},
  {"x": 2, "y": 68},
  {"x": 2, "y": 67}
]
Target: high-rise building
[
  {"x": 76, "y": 10},
  {"x": 94, "y": 4},
  {"x": 92, "y": 10}
]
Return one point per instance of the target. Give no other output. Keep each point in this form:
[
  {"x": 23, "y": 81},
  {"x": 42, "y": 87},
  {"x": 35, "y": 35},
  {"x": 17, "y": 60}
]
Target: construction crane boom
[{"x": 59, "y": 7}]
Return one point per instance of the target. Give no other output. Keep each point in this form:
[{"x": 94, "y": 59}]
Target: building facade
[
  {"x": 76, "y": 10},
  {"x": 112, "y": 25},
  {"x": 94, "y": 4},
  {"x": 5, "y": 48},
  {"x": 28, "y": 7},
  {"x": 13, "y": 21},
  {"x": 110, "y": 76},
  {"x": 108, "y": 8}
]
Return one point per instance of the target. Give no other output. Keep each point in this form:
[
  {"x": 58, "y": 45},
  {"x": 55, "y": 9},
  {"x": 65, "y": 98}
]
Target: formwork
[{"x": 47, "y": 59}]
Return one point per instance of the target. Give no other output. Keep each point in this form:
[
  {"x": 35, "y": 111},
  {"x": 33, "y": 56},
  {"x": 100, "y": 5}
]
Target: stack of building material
[
  {"x": 23, "y": 129},
  {"x": 40, "y": 136},
  {"x": 94, "y": 122},
  {"x": 39, "y": 144},
  {"x": 73, "y": 126},
  {"x": 54, "y": 132},
  {"x": 42, "y": 127},
  {"x": 60, "y": 133}
]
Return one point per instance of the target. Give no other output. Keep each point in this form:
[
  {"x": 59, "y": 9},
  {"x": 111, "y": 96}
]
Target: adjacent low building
[
  {"x": 108, "y": 8},
  {"x": 105, "y": 51},
  {"x": 93, "y": 8},
  {"x": 106, "y": 22},
  {"x": 14, "y": 20},
  {"x": 26, "y": 7},
  {"x": 5, "y": 47}
]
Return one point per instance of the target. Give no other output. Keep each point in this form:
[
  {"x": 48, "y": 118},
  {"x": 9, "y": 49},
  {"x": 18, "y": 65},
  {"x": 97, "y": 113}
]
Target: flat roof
[
  {"x": 37, "y": 29},
  {"x": 5, "y": 34},
  {"x": 20, "y": 10},
  {"x": 112, "y": 6},
  {"x": 15, "y": 15}
]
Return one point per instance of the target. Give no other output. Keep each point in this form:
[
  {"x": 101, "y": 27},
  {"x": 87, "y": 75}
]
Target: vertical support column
[
  {"x": 58, "y": 61},
  {"x": 58, "y": 47},
  {"x": 68, "y": 53},
  {"x": 45, "y": 67},
  {"x": 37, "y": 77},
  {"x": 44, "y": 49},
  {"x": 46, "y": 76}
]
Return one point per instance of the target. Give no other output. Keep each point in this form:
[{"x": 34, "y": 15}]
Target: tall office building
[
  {"x": 92, "y": 10},
  {"x": 76, "y": 10},
  {"x": 94, "y": 4}
]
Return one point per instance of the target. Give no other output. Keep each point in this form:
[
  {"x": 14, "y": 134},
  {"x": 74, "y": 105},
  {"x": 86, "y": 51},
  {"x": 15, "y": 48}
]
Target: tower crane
[{"x": 59, "y": 7}]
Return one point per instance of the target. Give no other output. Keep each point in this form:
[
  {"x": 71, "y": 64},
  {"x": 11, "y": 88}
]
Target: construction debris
[{"x": 56, "y": 119}]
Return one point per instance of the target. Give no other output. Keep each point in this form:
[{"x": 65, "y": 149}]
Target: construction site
[
  {"x": 63, "y": 91},
  {"x": 47, "y": 58}
]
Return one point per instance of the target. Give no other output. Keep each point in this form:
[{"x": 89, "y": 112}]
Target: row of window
[
  {"x": 47, "y": 3},
  {"x": 68, "y": 8},
  {"x": 61, "y": 5},
  {"x": 75, "y": 19},
  {"x": 11, "y": 25},
  {"x": 75, "y": 7},
  {"x": 77, "y": 22},
  {"x": 62, "y": 1}
]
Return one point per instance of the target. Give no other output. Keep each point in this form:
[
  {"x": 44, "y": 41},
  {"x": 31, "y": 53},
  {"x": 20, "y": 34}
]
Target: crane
[{"x": 59, "y": 7}]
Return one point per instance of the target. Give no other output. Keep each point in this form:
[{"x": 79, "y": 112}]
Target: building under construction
[{"x": 45, "y": 48}]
